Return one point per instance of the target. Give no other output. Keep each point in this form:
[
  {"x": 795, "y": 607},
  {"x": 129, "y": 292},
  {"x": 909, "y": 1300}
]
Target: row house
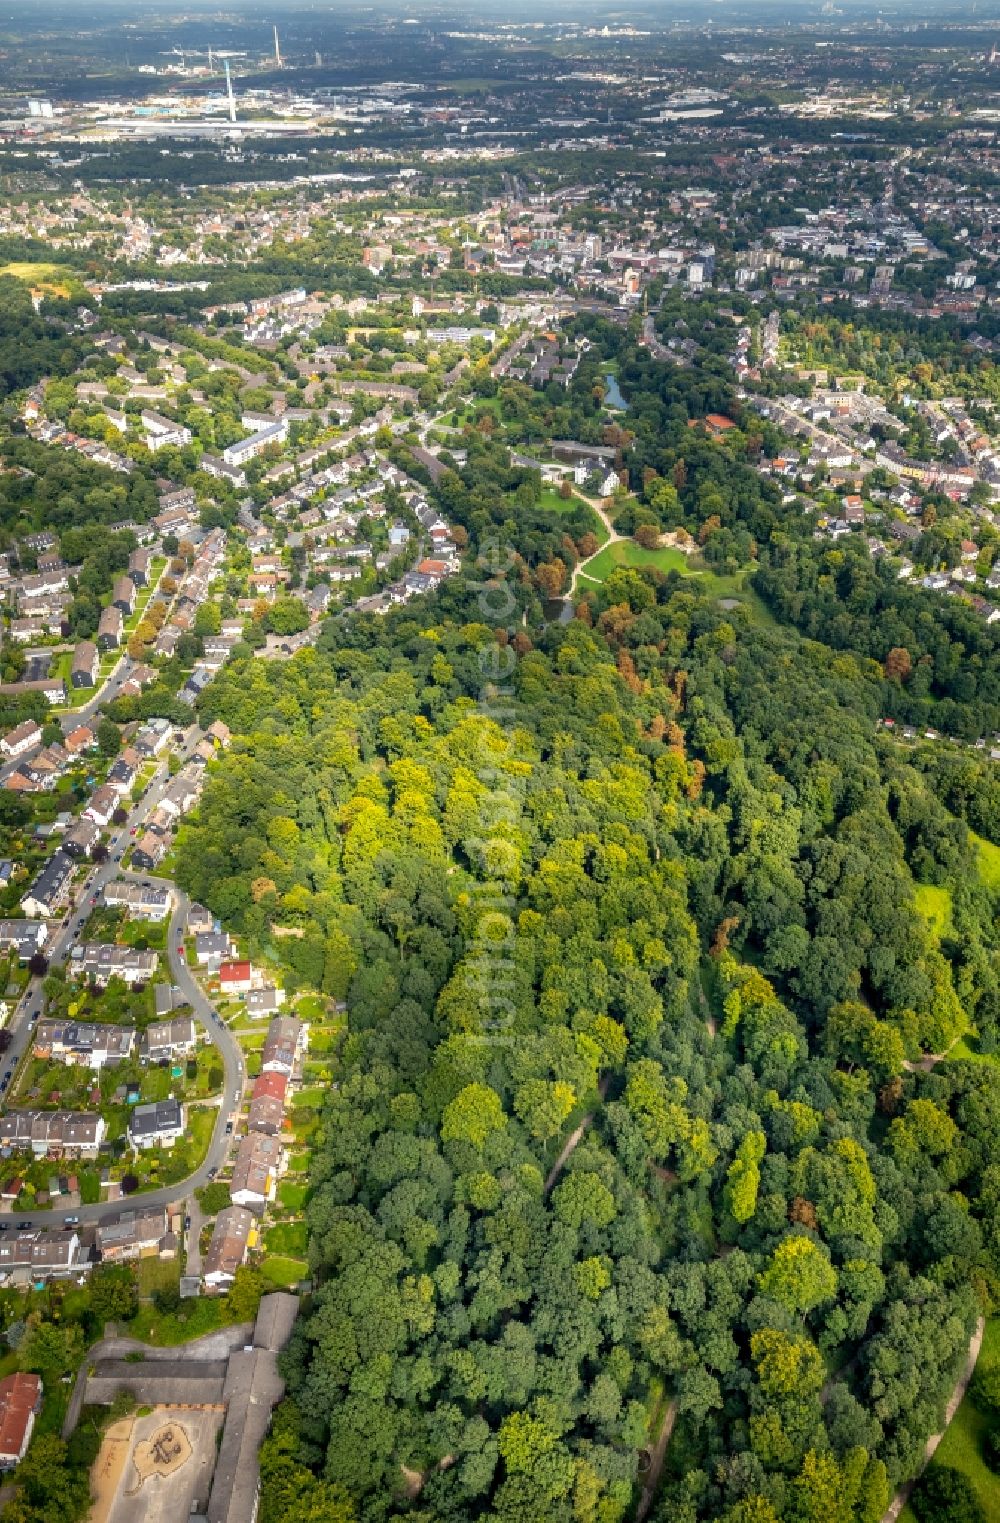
[
  {"x": 52, "y": 689},
  {"x": 85, "y": 666},
  {"x": 258, "y": 1164},
  {"x": 110, "y": 628},
  {"x": 71, "y": 1134},
  {"x": 23, "y": 937},
  {"x": 40, "y": 1254},
  {"x": 101, "y": 961},
  {"x": 282, "y": 1045},
  {"x": 142, "y": 901},
  {"x": 235, "y": 1232},
  {"x": 138, "y": 1234},
  {"x": 85, "y": 1044},
  {"x": 267, "y": 1103}
]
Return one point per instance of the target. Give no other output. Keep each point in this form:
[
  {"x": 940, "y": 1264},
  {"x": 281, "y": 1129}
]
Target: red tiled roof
[
  {"x": 234, "y": 972},
  {"x": 19, "y": 1395},
  {"x": 272, "y": 1084}
]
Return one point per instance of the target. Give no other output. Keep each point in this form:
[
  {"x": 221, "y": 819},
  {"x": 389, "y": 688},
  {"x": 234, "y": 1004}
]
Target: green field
[
  {"x": 625, "y": 552},
  {"x": 989, "y": 862},
  {"x": 55, "y": 278},
  {"x": 962, "y": 1445},
  {"x": 935, "y": 905}
]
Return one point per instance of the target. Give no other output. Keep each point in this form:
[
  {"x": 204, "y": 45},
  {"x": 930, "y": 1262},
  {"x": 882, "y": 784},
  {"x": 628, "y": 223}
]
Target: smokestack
[
  {"x": 229, "y": 88},
  {"x": 277, "y": 50},
  {"x": 209, "y": 58}
]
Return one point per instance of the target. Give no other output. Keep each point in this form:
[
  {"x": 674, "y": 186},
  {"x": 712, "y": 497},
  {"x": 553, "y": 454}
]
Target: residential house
[
  {"x": 52, "y": 689},
  {"x": 123, "y": 595},
  {"x": 101, "y": 805},
  {"x": 234, "y": 1231},
  {"x": 267, "y": 1104},
  {"x": 139, "y": 563},
  {"x": 85, "y": 666},
  {"x": 235, "y": 977},
  {"x": 20, "y": 1403},
  {"x": 168, "y": 1040},
  {"x": 124, "y": 772},
  {"x": 138, "y": 1234},
  {"x": 265, "y": 1001},
  {"x": 148, "y": 851},
  {"x": 29, "y": 1256},
  {"x": 110, "y": 627},
  {"x": 211, "y": 947},
  {"x": 157, "y": 1125},
  {"x": 199, "y": 920},
  {"x": 162, "y": 432},
  {"x": 144, "y": 901},
  {"x": 281, "y": 1046},
  {"x": 51, "y": 886},
  {"x": 182, "y": 793},
  {"x": 255, "y": 1172},
  {"x": 24, "y": 737},
  {"x": 25, "y": 937},
  {"x": 81, "y": 838},
  {"x": 80, "y": 739}
]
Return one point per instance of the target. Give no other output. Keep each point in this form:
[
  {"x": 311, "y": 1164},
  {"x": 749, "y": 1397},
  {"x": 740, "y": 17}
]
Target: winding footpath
[
  {"x": 902, "y": 1496},
  {"x": 613, "y": 537}
]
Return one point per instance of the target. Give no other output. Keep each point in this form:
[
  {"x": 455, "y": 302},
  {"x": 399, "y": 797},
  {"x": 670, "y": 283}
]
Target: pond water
[
  {"x": 613, "y": 395},
  {"x": 558, "y": 610}
]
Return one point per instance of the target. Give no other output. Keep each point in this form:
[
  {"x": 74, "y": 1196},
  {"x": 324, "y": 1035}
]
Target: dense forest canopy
[{"x": 652, "y": 876}]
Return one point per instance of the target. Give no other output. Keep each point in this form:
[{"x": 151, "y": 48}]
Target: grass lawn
[
  {"x": 962, "y": 1445},
  {"x": 292, "y": 1196},
  {"x": 284, "y": 1272},
  {"x": 287, "y": 1238},
  {"x": 157, "y": 1274},
  {"x": 310, "y": 1007},
  {"x": 934, "y": 904},
  {"x": 625, "y": 552},
  {"x": 312, "y": 1098}
]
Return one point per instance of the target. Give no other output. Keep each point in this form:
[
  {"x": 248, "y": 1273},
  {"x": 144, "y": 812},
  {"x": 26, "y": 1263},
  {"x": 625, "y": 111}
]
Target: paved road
[{"x": 59, "y": 949}]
